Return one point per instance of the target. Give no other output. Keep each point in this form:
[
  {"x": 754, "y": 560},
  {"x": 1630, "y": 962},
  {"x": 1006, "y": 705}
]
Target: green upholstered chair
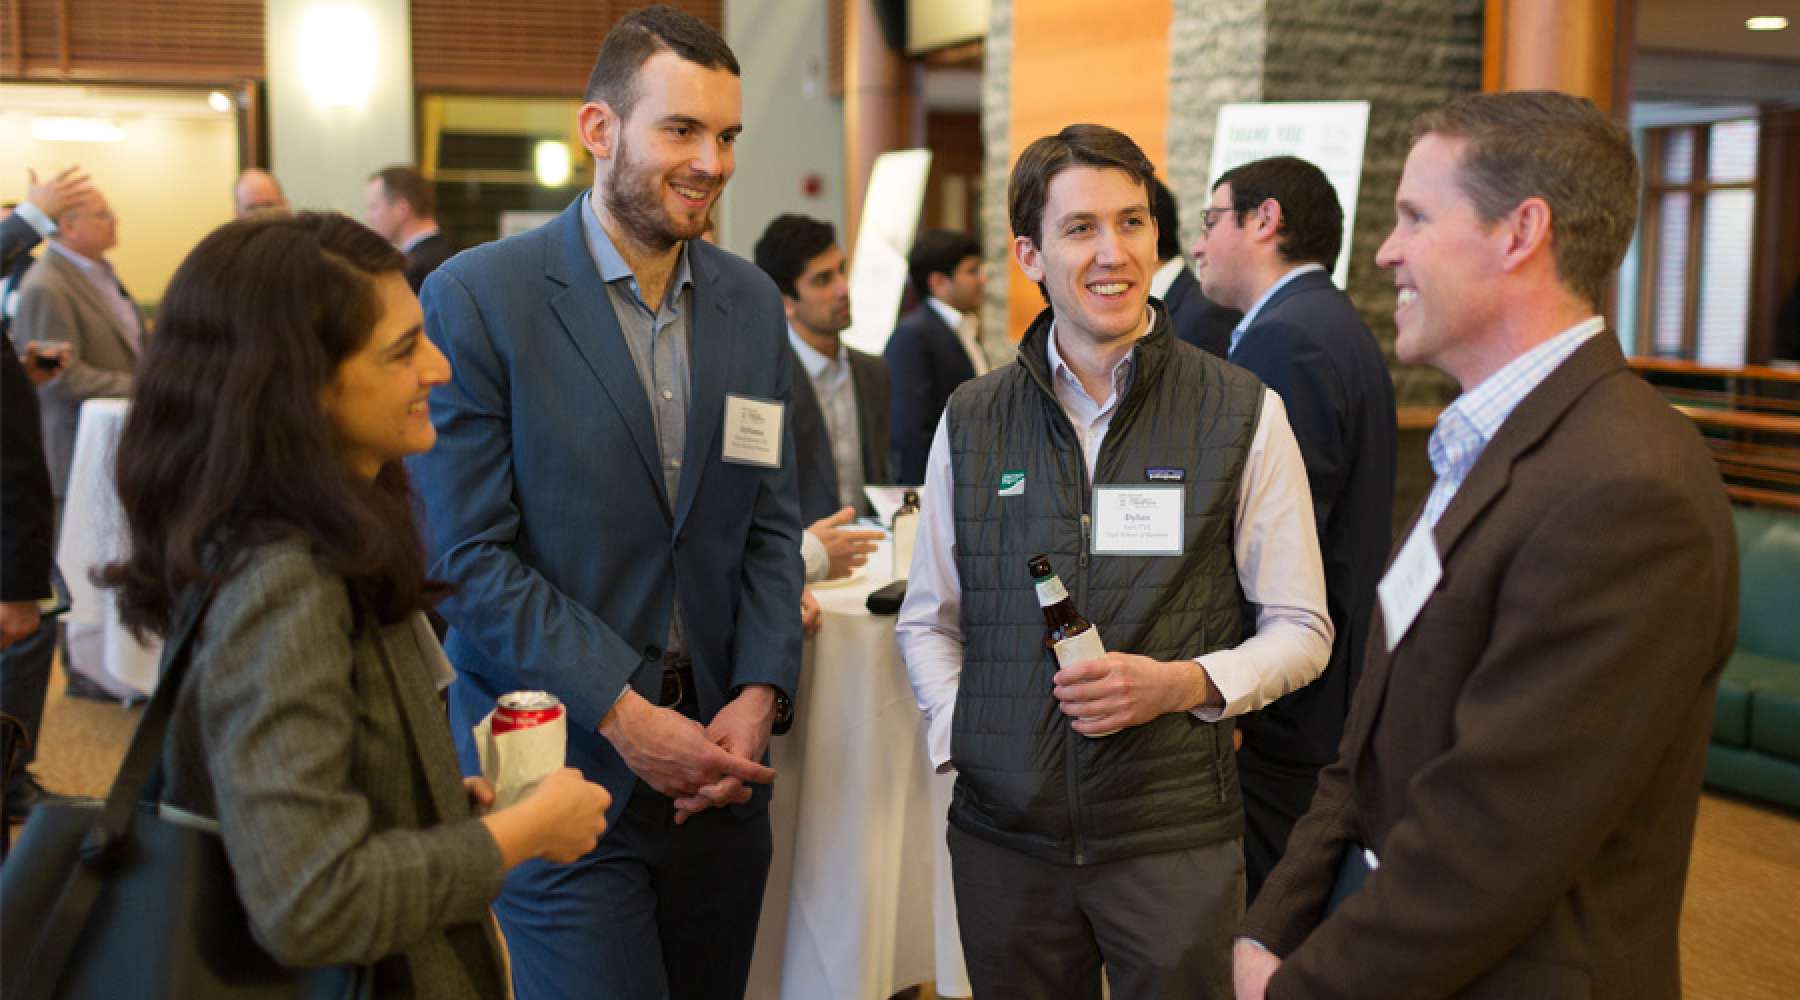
[{"x": 1755, "y": 747}]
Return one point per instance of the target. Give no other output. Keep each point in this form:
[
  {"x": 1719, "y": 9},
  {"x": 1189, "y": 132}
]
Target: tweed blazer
[
  {"x": 1526, "y": 763},
  {"x": 58, "y": 302},
  {"x": 318, "y": 741}
]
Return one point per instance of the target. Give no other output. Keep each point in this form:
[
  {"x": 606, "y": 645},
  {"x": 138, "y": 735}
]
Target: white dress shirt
[
  {"x": 968, "y": 331},
  {"x": 1165, "y": 276},
  {"x": 1274, "y": 542}
]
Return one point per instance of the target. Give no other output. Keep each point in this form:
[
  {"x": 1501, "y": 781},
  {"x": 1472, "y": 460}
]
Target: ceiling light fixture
[
  {"x": 1766, "y": 23},
  {"x": 76, "y": 130},
  {"x": 552, "y": 163},
  {"x": 219, "y": 101}
]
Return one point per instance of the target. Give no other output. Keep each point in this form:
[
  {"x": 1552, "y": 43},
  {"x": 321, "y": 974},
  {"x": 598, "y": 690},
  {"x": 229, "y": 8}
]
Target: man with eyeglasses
[
  {"x": 1271, "y": 236},
  {"x": 1193, "y": 317}
]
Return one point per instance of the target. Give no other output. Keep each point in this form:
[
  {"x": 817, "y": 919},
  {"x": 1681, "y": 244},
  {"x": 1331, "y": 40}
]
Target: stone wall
[
  {"x": 996, "y": 163},
  {"x": 1403, "y": 56}
]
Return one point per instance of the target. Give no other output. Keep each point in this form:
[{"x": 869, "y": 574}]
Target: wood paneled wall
[{"x": 1070, "y": 65}]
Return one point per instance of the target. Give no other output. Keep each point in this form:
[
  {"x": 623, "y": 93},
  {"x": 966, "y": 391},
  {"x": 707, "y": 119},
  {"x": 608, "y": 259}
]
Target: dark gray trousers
[{"x": 1161, "y": 924}]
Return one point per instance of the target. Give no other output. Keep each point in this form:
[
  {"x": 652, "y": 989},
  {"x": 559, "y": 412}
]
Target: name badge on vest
[
  {"x": 752, "y": 431},
  {"x": 1409, "y": 583},
  {"x": 1138, "y": 520}
]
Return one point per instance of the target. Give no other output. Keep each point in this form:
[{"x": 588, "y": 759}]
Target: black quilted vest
[{"x": 1025, "y": 780}]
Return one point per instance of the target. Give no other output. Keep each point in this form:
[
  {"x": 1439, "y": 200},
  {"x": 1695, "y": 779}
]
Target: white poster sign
[
  {"x": 1329, "y": 134},
  {"x": 890, "y": 219}
]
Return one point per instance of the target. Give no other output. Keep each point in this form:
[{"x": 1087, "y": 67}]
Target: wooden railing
[{"x": 1750, "y": 417}]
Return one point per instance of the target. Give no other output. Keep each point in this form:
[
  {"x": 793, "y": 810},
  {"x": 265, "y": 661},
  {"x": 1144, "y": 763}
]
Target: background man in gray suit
[
  {"x": 73, "y": 297},
  {"x": 840, "y": 394}
]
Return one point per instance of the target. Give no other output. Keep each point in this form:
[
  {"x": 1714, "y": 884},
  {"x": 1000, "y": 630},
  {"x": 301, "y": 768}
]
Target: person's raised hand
[
  {"x": 67, "y": 190},
  {"x": 846, "y": 548}
]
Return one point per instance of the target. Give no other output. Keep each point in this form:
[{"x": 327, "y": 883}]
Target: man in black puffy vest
[{"x": 1168, "y": 492}]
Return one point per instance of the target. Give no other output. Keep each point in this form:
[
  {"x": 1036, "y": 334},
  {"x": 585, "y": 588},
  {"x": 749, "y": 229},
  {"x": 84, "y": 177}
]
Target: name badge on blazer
[
  {"x": 753, "y": 431},
  {"x": 1409, "y": 583}
]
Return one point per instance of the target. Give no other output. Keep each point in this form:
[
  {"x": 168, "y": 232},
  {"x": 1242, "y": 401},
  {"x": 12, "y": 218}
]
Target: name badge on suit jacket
[
  {"x": 753, "y": 431},
  {"x": 1409, "y": 583}
]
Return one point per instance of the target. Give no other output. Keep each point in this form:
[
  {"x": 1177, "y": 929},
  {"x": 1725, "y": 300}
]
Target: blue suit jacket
[
  {"x": 926, "y": 363},
  {"x": 544, "y": 498},
  {"x": 1309, "y": 345}
]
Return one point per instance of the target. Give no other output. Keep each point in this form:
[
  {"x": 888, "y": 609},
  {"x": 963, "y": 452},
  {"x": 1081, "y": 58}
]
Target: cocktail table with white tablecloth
[
  {"x": 858, "y": 903},
  {"x": 92, "y": 533}
]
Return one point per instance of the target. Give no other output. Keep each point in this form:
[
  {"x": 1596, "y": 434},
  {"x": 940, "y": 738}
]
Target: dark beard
[{"x": 637, "y": 209}]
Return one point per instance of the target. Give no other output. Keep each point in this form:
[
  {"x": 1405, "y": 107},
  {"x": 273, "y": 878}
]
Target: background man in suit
[
  {"x": 1522, "y": 762},
  {"x": 1193, "y": 316},
  {"x": 28, "y": 521},
  {"x": 612, "y": 493},
  {"x": 257, "y": 191},
  {"x": 937, "y": 346},
  {"x": 1271, "y": 238},
  {"x": 73, "y": 297},
  {"x": 840, "y": 409},
  {"x": 402, "y": 207}
]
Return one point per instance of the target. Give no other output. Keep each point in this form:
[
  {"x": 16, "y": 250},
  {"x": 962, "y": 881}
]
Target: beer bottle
[
  {"x": 906, "y": 532},
  {"x": 1071, "y": 637}
]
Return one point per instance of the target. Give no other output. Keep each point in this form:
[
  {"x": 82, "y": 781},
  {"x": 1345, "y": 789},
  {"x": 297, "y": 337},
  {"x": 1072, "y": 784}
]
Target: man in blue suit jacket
[
  {"x": 1272, "y": 235},
  {"x": 937, "y": 346},
  {"x": 612, "y": 496}
]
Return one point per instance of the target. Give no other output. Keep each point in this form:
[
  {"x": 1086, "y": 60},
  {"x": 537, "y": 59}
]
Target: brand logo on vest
[
  {"x": 1165, "y": 475},
  {"x": 1012, "y": 483}
]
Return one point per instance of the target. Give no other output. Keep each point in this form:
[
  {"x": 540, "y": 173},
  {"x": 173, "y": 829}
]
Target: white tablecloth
[
  {"x": 858, "y": 903},
  {"x": 92, "y": 534}
]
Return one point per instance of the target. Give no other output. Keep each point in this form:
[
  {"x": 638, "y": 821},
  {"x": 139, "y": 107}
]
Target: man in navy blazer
[
  {"x": 937, "y": 346},
  {"x": 1272, "y": 234},
  {"x": 612, "y": 497},
  {"x": 1192, "y": 316}
]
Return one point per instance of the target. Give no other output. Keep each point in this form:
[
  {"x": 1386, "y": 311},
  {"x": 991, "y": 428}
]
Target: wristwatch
[{"x": 784, "y": 708}]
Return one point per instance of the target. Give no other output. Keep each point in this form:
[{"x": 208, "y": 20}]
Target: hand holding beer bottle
[{"x": 1105, "y": 692}]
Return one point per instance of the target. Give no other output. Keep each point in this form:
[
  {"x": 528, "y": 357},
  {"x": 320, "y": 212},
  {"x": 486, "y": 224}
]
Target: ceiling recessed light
[
  {"x": 1766, "y": 23},
  {"x": 219, "y": 101}
]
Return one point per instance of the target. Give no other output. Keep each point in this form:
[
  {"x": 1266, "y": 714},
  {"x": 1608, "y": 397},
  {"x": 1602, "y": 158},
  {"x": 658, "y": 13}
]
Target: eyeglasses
[{"x": 1210, "y": 218}]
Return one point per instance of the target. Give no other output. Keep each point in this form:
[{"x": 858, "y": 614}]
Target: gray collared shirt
[{"x": 658, "y": 340}]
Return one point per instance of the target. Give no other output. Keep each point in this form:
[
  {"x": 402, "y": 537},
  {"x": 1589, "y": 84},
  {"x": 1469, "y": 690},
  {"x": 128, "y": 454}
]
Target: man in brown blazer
[
  {"x": 74, "y": 297},
  {"x": 1513, "y": 805}
]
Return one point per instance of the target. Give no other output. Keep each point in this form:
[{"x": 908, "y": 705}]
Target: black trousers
[
  {"x": 1160, "y": 925},
  {"x": 1276, "y": 795}
]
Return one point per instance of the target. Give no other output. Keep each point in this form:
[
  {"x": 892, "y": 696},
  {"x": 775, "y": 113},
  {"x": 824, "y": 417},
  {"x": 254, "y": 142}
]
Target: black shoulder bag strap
[{"x": 108, "y": 841}]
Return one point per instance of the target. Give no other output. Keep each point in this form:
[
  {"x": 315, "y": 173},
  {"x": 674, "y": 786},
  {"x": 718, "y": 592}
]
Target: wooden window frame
[{"x": 1697, "y": 188}]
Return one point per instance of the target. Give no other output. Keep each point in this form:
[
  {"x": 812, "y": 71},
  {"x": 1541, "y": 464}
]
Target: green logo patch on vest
[{"x": 1012, "y": 483}]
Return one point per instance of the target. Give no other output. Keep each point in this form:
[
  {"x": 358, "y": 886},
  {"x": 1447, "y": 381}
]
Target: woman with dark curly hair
[{"x": 288, "y": 377}]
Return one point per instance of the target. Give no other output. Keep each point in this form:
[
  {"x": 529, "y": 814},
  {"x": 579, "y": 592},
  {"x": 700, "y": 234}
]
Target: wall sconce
[
  {"x": 337, "y": 55},
  {"x": 76, "y": 130},
  {"x": 551, "y": 160}
]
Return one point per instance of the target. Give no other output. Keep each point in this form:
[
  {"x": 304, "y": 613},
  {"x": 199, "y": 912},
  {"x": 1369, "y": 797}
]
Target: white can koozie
[{"x": 1078, "y": 649}]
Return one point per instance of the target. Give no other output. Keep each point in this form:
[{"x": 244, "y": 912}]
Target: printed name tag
[
  {"x": 1409, "y": 583},
  {"x": 1138, "y": 520},
  {"x": 752, "y": 431}
]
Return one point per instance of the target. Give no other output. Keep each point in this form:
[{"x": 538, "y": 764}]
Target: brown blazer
[{"x": 1527, "y": 763}]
